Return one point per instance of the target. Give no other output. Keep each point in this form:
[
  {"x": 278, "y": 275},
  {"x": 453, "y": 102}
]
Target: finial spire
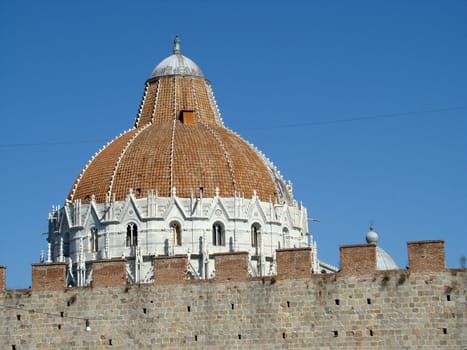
[
  {"x": 371, "y": 236},
  {"x": 176, "y": 45}
]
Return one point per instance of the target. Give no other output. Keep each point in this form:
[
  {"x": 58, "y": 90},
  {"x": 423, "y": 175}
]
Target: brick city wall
[{"x": 398, "y": 309}]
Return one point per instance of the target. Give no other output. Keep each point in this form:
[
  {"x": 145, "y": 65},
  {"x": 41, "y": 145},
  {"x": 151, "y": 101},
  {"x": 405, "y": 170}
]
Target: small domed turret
[
  {"x": 383, "y": 260},
  {"x": 371, "y": 236},
  {"x": 176, "y": 64}
]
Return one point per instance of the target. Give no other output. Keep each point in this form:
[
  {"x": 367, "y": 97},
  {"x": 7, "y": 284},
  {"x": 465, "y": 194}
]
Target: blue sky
[{"x": 298, "y": 79}]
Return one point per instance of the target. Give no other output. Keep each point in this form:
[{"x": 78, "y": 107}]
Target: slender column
[
  {"x": 106, "y": 245},
  {"x": 60, "y": 250},
  {"x": 261, "y": 255},
  {"x": 81, "y": 265},
  {"x": 49, "y": 252},
  {"x": 138, "y": 263}
]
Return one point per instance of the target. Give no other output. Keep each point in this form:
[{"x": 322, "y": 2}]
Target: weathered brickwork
[
  {"x": 293, "y": 263},
  {"x": 231, "y": 266},
  {"x": 48, "y": 276},
  {"x": 426, "y": 255},
  {"x": 106, "y": 273},
  {"x": 358, "y": 259},
  {"x": 170, "y": 269}
]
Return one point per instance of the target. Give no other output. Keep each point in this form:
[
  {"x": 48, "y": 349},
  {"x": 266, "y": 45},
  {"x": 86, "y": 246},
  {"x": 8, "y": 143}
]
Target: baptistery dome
[
  {"x": 177, "y": 182},
  {"x": 180, "y": 143}
]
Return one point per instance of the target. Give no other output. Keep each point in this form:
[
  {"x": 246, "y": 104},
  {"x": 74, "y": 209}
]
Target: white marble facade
[{"x": 140, "y": 228}]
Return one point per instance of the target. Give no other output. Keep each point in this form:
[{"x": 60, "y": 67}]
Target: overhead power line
[
  {"x": 269, "y": 127},
  {"x": 54, "y": 143},
  {"x": 355, "y": 119}
]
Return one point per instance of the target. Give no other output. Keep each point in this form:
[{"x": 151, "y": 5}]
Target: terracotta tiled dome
[{"x": 178, "y": 141}]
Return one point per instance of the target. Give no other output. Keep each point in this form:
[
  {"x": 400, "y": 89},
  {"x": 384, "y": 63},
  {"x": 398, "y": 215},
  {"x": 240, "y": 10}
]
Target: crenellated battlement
[
  {"x": 356, "y": 260},
  {"x": 51, "y": 276},
  {"x": 426, "y": 256}
]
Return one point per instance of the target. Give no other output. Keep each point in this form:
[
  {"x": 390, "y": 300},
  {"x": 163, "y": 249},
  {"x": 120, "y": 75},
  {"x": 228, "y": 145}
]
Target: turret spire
[{"x": 176, "y": 49}]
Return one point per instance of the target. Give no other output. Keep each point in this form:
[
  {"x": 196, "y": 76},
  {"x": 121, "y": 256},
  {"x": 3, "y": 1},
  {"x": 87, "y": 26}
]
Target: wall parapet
[
  {"x": 49, "y": 276},
  {"x": 108, "y": 273},
  {"x": 231, "y": 266},
  {"x": 293, "y": 263},
  {"x": 426, "y": 255},
  {"x": 358, "y": 259},
  {"x": 170, "y": 269}
]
